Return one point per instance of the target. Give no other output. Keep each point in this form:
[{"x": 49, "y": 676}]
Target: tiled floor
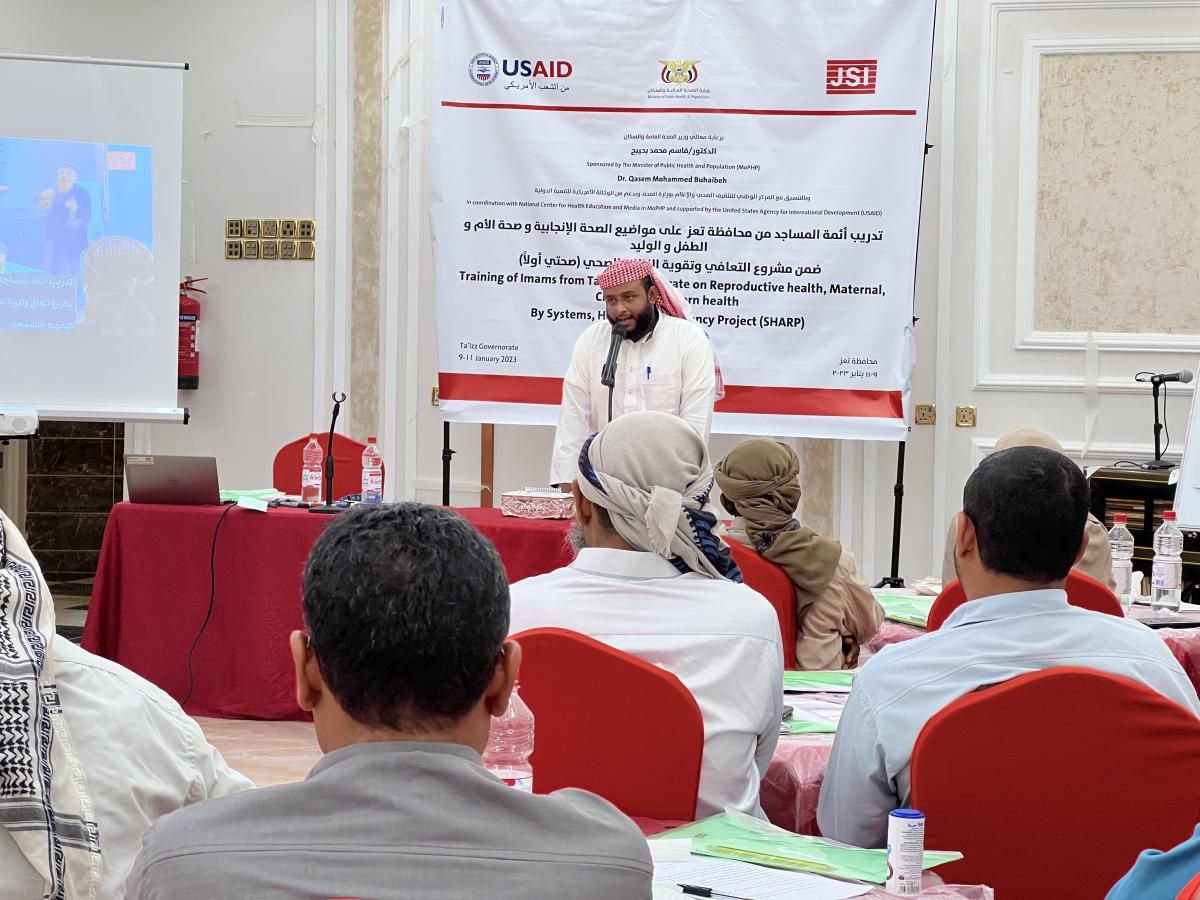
[
  {"x": 265, "y": 752},
  {"x": 70, "y": 606}
]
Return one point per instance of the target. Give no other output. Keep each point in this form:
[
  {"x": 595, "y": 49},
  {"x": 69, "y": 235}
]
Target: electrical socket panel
[
  {"x": 287, "y": 249},
  {"x": 250, "y": 249},
  {"x": 306, "y": 229},
  {"x": 269, "y": 250},
  {"x": 270, "y": 228},
  {"x": 233, "y": 249},
  {"x": 306, "y": 250},
  {"x": 233, "y": 228},
  {"x": 250, "y": 228},
  {"x": 287, "y": 228},
  {"x": 270, "y": 238}
]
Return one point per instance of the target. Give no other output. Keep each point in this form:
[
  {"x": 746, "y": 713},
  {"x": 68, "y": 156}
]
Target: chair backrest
[
  {"x": 1191, "y": 890},
  {"x": 1082, "y": 591},
  {"x": 347, "y": 464},
  {"x": 610, "y": 723},
  {"x": 774, "y": 584},
  {"x": 1052, "y": 783}
]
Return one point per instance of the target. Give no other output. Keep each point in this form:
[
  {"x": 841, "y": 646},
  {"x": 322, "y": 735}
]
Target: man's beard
[
  {"x": 575, "y": 538},
  {"x": 641, "y": 324}
]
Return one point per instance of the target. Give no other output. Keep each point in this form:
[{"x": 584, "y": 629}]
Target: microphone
[
  {"x": 608, "y": 375},
  {"x": 1183, "y": 377}
]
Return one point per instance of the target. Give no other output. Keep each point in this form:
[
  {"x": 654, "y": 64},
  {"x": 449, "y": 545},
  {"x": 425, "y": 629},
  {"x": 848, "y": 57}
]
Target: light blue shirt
[
  {"x": 1160, "y": 876},
  {"x": 983, "y": 642}
]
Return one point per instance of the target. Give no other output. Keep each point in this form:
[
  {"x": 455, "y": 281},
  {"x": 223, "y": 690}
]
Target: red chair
[
  {"x": 773, "y": 583},
  {"x": 1082, "y": 591},
  {"x": 1052, "y": 783},
  {"x": 1191, "y": 890},
  {"x": 347, "y": 464},
  {"x": 647, "y": 761}
]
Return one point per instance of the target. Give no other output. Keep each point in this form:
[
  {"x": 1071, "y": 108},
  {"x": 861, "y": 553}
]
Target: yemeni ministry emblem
[{"x": 679, "y": 71}]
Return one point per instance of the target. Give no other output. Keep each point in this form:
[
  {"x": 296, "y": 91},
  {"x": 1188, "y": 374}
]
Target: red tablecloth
[{"x": 153, "y": 583}]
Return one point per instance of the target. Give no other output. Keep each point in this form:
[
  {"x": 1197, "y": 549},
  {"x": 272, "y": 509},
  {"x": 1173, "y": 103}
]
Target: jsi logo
[{"x": 851, "y": 76}]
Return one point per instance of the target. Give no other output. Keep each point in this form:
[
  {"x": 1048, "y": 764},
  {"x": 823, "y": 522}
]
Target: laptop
[{"x": 156, "y": 478}]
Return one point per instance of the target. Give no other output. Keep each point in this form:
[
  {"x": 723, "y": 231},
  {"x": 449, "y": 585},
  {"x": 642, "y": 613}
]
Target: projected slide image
[{"x": 76, "y": 235}]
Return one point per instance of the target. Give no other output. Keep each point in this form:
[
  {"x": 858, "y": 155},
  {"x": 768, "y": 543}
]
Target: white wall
[{"x": 250, "y": 62}]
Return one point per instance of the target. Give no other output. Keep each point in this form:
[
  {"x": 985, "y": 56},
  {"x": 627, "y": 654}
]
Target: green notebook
[
  {"x": 809, "y": 682},
  {"x": 909, "y": 610},
  {"x": 732, "y": 835}
]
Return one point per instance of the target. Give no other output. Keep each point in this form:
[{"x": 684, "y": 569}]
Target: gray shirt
[{"x": 395, "y": 820}]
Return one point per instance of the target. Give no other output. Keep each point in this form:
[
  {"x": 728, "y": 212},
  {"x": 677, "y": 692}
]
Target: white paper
[{"x": 748, "y": 880}]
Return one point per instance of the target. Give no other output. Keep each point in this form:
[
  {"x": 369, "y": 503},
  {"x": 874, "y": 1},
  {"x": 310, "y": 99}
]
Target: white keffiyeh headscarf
[
  {"x": 44, "y": 801},
  {"x": 650, "y": 471}
]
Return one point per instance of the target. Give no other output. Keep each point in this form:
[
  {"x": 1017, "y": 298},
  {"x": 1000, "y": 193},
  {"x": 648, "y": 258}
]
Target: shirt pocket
[{"x": 662, "y": 391}]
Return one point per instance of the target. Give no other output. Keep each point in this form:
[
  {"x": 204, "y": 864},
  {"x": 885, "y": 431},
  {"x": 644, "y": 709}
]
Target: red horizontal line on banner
[
  {"x": 739, "y": 398},
  {"x": 710, "y": 110},
  {"x": 851, "y": 62}
]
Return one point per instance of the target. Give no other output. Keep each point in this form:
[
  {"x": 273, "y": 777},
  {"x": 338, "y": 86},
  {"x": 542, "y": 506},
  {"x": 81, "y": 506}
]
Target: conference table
[{"x": 161, "y": 565}]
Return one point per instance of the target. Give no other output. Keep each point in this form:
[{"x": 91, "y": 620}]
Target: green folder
[
  {"x": 732, "y": 835},
  {"x": 909, "y": 610},
  {"x": 809, "y": 682}
]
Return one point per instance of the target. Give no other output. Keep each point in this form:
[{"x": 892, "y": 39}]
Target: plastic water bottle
[
  {"x": 1121, "y": 541},
  {"x": 1166, "y": 577},
  {"x": 510, "y": 745},
  {"x": 310, "y": 474},
  {"x": 372, "y": 473}
]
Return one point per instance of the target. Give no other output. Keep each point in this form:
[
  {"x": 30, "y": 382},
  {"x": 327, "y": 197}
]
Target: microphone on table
[
  {"x": 608, "y": 375},
  {"x": 328, "y": 508},
  {"x": 1183, "y": 377}
]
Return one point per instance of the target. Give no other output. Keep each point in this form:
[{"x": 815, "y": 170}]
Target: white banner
[{"x": 766, "y": 156}]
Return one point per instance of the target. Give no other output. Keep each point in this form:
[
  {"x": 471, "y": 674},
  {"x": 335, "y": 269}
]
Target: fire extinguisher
[{"x": 189, "y": 319}]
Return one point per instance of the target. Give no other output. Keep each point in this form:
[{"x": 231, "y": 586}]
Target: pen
[
  {"x": 647, "y": 373},
  {"x": 696, "y": 891}
]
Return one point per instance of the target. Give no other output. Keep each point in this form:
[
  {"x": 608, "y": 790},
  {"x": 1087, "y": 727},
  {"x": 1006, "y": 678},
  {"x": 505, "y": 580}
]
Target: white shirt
[
  {"x": 142, "y": 755},
  {"x": 983, "y": 642},
  {"x": 669, "y": 370},
  {"x": 719, "y": 638}
]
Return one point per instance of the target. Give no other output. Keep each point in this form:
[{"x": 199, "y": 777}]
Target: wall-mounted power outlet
[
  {"x": 233, "y": 228},
  {"x": 966, "y": 416},
  {"x": 249, "y": 249},
  {"x": 287, "y": 228},
  {"x": 250, "y": 228},
  {"x": 233, "y": 249},
  {"x": 306, "y": 229},
  {"x": 287, "y": 249},
  {"x": 270, "y": 250},
  {"x": 925, "y": 414},
  {"x": 270, "y": 228}
]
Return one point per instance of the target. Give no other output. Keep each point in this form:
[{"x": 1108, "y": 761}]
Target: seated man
[
  {"x": 1020, "y": 531},
  {"x": 836, "y": 613},
  {"x": 1096, "y": 561},
  {"x": 653, "y": 579},
  {"x": 85, "y": 744},
  {"x": 403, "y": 667}
]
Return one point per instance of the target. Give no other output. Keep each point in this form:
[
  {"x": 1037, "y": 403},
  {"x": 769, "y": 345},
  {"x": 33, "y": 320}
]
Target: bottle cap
[
  {"x": 371, "y": 439},
  {"x": 1120, "y": 519},
  {"x": 1169, "y": 515}
]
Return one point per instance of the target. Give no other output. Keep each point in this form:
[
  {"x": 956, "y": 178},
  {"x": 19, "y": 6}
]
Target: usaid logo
[
  {"x": 483, "y": 68},
  {"x": 851, "y": 76}
]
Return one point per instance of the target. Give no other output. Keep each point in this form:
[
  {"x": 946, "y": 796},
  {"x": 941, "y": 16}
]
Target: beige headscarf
[
  {"x": 44, "y": 801},
  {"x": 650, "y": 471},
  {"x": 758, "y": 479},
  {"x": 1027, "y": 436}
]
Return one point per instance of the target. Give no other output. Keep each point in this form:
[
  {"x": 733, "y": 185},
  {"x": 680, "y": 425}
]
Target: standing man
[
  {"x": 665, "y": 363},
  {"x": 68, "y": 210}
]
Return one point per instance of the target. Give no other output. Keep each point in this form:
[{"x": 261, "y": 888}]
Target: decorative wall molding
[
  {"x": 1055, "y": 384},
  {"x": 1026, "y": 336},
  {"x": 1024, "y": 307},
  {"x": 1110, "y": 452}
]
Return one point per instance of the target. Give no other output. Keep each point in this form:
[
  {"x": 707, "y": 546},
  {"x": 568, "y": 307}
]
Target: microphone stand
[
  {"x": 1156, "y": 387},
  {"x": 327, "y": 508}
]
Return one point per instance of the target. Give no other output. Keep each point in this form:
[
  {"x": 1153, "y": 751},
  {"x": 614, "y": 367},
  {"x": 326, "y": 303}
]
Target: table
[{"x": 153, "y": 585}]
